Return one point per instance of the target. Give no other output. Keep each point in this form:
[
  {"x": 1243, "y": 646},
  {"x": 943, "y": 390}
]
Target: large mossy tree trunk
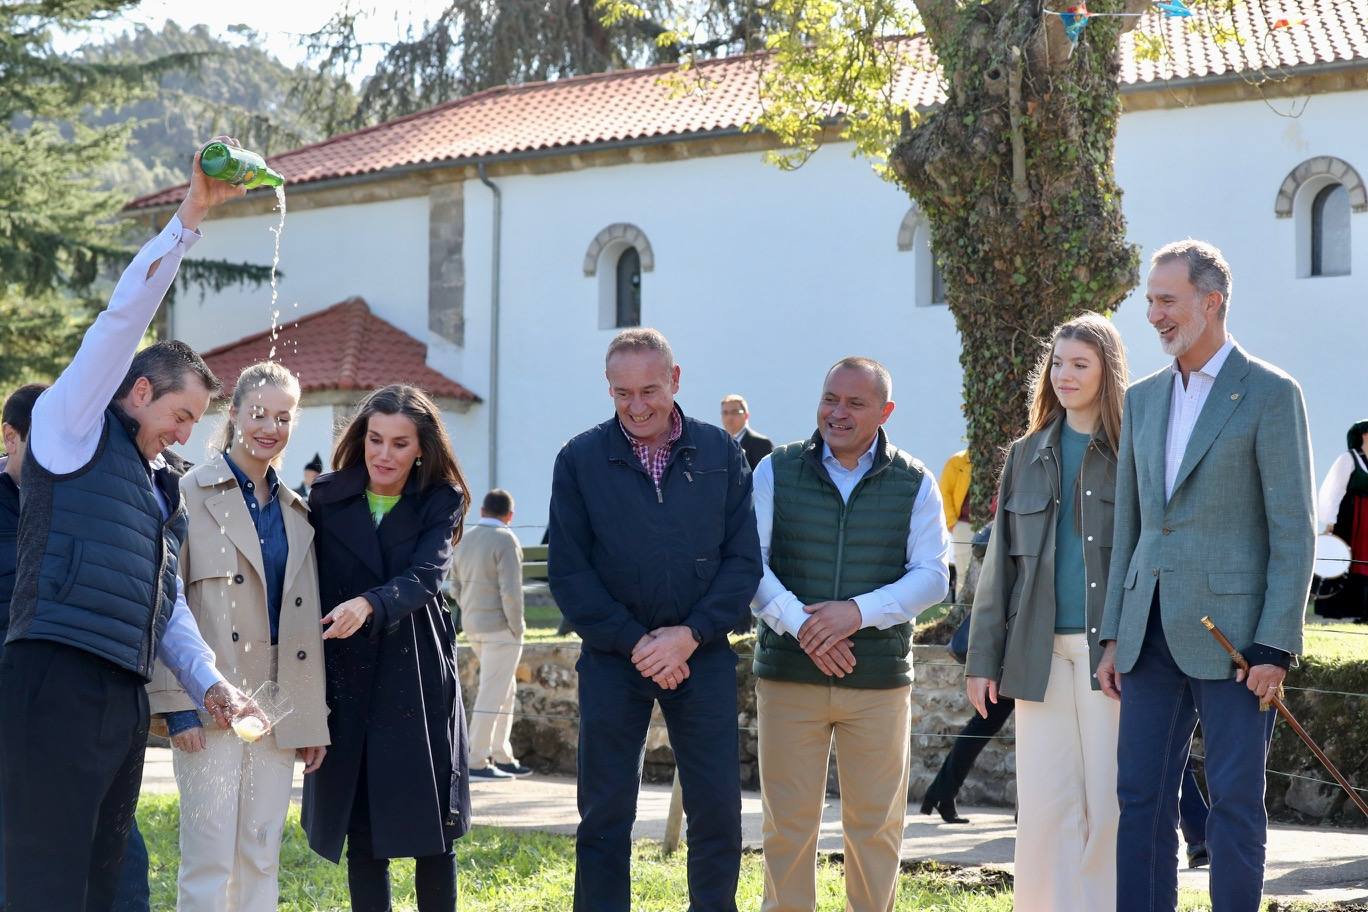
[{"x": 1014, "y": 175}]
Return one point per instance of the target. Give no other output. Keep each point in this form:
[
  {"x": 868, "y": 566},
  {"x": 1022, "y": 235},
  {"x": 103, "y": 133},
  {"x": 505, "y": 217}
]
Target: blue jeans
[
  {"x": 1192, "y": 809},
  {"x": 132, "y": 894},
  {"x": 1160, "y": 707},
  {"x": 615, "y": 712}
]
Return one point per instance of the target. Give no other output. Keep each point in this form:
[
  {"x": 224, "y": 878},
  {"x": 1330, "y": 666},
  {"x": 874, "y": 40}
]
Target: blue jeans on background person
[
  {"x": 615, "y": 713},
  {"x": 1192, "y": 808},
  {"x": 132, "y": 893},
  {"x": 1160, "y": 707}
]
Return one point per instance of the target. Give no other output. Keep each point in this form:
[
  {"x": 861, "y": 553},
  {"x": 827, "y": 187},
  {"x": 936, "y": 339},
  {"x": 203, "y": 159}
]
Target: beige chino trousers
[
  {"x": 1066, "y": 790},
  {"x": 491, "y": 720},
  {"x": 871, "y": 730}
]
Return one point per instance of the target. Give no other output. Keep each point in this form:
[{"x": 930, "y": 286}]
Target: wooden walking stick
[{"x": 1275, "y": 699}]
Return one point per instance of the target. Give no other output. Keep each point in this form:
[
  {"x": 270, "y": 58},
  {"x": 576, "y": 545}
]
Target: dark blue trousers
[
  {"x": 615, "y": 712},
  {"x": 1160, "y": 707}
]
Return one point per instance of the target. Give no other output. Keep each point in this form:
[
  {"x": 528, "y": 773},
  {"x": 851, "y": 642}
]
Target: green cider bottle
[{"x": 237, "y": 166}]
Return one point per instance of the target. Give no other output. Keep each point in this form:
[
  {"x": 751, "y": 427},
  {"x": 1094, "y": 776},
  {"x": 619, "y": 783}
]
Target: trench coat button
[
  {"x": 238, "y": 579},
  {"x": 1092, "y": 585},
  {"x": 235, "y": 636},
  {"x": 1089, "y": 538},
  {"x": 1088, "y": 493},
  {"x": 299, "y": 600},
  {"x": 301, "y": 655},
  {"x": 1093, "y": 630}
]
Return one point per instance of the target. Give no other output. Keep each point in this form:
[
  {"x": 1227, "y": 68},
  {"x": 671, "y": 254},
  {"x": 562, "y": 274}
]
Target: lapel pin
[{"x": 1234, "y": 396}]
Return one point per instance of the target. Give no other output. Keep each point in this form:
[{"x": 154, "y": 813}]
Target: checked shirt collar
[{"x": 654, "y": 463}]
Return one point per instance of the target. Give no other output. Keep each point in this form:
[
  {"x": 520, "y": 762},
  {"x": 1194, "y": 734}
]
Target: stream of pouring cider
[{"x": 244, "y": 168}]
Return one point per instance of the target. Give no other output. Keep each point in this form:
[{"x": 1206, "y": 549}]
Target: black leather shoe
[{"x": 1198, "y": 856}]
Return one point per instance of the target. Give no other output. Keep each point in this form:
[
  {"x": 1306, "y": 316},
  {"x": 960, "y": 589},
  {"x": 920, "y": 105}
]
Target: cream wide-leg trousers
[
  {"x": 1066, "y": 790},
  {"x": 233, "y": 799}
]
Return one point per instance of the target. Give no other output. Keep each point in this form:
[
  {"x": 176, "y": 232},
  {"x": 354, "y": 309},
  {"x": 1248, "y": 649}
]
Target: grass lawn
[
  {"x": 1336, "y": 642},
  {"x": 509, "y": 871}
]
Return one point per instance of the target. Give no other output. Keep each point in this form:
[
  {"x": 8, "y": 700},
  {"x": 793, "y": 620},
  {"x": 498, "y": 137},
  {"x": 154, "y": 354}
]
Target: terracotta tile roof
[
  {"x": 345, "y": 347},
  {"x": 635, "y": 105},
  {"x": 1333, "y": 31}
]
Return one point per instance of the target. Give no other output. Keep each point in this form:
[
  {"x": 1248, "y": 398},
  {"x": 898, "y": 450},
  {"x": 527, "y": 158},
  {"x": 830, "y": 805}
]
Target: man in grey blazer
[{"x": 1214, "y": 516}]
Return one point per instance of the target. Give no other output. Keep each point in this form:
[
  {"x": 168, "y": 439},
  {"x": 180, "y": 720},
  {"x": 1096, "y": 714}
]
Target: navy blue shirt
[{"x": 270, "y": 529}]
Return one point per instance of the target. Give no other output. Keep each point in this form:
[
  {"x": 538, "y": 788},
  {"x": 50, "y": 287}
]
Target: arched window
[
  {"x": 914, "y": 236},
  {"x": 618, "y": 256},
  {"x": 1320, "y": 195},
  {"x": 1330, "y": 231},
  {"x": 629, "y": 288}
]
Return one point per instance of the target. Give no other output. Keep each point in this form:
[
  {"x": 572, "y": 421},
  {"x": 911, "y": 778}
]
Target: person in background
[
  {"x": 395, "y": 783},
  {"x": 1342, "y": 507},
  {"x": 97, "y": 598},
  {"x": 854, "y": 545},
  {"x": 1033, "y": 631},
  {"x": 312, "y": 469},
  {"x": 489, "y": 589},
  {"x": 954, "y": 486},
  {"x": 736, "y": 421},
  {"x": 251, "y": 582},
  {"x": 653, "y": 559}
]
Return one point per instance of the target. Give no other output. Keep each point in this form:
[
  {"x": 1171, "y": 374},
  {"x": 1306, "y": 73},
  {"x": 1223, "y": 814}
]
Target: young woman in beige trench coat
[{"x": 251, "y": 582}]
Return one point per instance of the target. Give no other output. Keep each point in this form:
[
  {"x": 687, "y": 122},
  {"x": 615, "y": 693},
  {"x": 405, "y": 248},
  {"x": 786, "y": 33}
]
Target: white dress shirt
[
  {"x": 1186, "y": 408},
  {"x": 68, "y": 419},
  {"x": 1335, "y": 484},
  {"x": 928, "y": 552}
]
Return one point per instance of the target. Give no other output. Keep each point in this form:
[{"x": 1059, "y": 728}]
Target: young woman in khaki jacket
[
  {"x": 1037, "y": 610},
  {"x": 251, "y": 582}
]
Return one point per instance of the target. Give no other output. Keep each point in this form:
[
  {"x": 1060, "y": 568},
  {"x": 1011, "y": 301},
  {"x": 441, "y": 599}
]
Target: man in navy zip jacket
[{"x": 653, "y": 559}]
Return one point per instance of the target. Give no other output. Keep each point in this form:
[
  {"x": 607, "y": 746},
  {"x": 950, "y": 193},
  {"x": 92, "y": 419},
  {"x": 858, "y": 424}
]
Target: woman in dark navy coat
[{"x": 395, "y": 783}]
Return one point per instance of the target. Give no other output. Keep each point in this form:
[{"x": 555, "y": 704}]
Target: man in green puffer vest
[{"x": 853, "y": 537}]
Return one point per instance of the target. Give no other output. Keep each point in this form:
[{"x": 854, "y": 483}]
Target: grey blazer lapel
[
  {"x": 1156, "y": 448},
  {"x": 1227, "y": 394}
]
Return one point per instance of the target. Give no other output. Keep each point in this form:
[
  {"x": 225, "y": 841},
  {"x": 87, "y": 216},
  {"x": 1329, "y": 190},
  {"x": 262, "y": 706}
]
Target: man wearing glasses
[{"x": 736, "y": 420}]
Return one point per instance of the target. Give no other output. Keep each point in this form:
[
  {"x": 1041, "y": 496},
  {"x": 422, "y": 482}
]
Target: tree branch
[
  {"x": 1019, "y": 187},
  {"x": 938, "y": 18},
  {"x": 1137, "y": 7}
]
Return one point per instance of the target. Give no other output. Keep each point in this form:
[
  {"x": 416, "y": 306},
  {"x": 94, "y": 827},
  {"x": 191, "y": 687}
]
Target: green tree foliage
[
  {"x": 476, "y": 44},
  {"x": 58, "y": 228},
  {"x": 233, "y": 87}
]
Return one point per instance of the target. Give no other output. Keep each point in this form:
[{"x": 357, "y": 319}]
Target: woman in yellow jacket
[{"x": 251, "y": 581}]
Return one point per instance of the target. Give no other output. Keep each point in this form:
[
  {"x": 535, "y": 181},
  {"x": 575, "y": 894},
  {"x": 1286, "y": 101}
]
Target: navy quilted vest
[{"x": 97, "y": 563}]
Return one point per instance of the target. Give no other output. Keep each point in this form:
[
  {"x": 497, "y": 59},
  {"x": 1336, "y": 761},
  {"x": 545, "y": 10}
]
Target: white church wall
[{"x": 378, "y": 251}]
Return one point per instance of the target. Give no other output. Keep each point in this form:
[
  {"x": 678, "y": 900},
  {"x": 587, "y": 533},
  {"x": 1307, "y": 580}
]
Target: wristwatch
[{"x": 698, "y": 637}]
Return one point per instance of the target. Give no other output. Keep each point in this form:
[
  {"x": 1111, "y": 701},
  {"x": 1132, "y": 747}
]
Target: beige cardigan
[{"x": 221, "y": 568}]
